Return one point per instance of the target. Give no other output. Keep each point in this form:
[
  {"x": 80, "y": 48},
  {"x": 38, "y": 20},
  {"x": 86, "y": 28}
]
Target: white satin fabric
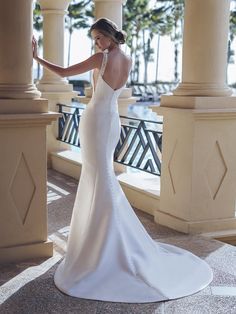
[{"x": 110, "y": 256}]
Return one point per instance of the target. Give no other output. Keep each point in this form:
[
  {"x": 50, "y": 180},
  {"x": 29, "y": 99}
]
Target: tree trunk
[
  {"x": 131, "y": 55},
  {"x": 176, "y": 61},
  {"x": 137, "y": 61},
  {"x": 176, "y": 53},
  {"x": 157, "y": 62},
  {"x": 69, "y": 43},
  {"x": 38, "y": 71},
  {"x": 145, "y": 56}
]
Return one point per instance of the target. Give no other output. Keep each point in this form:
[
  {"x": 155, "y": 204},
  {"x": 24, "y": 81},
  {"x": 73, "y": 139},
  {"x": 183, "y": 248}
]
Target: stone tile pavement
[{"x": 28, "y": 288}]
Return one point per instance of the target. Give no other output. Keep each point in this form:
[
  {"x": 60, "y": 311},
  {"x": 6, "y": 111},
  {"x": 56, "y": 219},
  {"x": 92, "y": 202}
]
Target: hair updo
[{"x": 109, "y": 29}]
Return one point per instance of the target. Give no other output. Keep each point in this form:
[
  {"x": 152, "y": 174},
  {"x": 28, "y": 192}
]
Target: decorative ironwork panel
[
  {"x": 140, "y": 141},
  {"x": 140, "y": 144},
  {"x": 68, "y": 125}
]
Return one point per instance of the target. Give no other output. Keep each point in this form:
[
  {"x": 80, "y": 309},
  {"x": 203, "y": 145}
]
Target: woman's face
[{"x": 102, "y": 42}]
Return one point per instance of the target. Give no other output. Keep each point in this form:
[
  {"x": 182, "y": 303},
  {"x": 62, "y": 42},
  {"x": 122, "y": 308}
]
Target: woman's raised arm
[{"x": 92, "y": 62}]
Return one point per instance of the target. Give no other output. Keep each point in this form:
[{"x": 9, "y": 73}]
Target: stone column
[
  {"x": 23, "y": 120},
  {"x": 198, "y": 174},
  {"x": 53, "y": 87},
  {"x": 16, "y": 63},
  {"x": 111, "y": 9},
  {"x": 205, "y": 47},
  {"x": 53, "y": 12}
]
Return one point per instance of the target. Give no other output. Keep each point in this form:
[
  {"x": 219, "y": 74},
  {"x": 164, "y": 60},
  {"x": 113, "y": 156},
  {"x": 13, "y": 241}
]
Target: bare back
[{"x": 117, "y": 69}]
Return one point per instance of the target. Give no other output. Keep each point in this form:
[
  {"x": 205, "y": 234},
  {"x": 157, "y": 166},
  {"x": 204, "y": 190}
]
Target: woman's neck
[{"x": 113, "y": 47}]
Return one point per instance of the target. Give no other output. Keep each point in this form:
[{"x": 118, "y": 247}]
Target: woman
[{"x": 110, "y": 256}]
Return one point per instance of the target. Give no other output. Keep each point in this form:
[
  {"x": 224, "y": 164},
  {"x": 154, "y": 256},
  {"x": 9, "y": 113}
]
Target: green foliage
[
  {"x": 141, "y": 22},
  {"x": 232, "y": 33},
  {"x": 78, "y": 15},
  {"x": 37, "y": 18}
]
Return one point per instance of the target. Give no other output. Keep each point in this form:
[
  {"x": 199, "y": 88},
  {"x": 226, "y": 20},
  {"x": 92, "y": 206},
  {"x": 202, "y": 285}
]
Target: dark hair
[{"x": 110, "y": 29}]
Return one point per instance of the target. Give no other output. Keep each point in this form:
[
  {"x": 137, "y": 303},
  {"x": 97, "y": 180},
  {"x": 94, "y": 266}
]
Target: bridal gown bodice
[{"x": 110, "y": 256}]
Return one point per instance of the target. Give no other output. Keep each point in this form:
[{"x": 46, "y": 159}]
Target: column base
[
  {"x": 19, "y": 91},
  {"x": 54, "y": 87},
  {"x": 194, "y": 227},
  {"x": 25, "y": 252},
  {"x": 202, "y": 89},
  {"x": 197, "y": 102}
]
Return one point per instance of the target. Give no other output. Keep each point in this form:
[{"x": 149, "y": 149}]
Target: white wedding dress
[{"x": 110, "y": 256}]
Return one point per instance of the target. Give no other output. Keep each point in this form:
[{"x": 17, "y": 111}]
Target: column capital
[{"x": 54, "y": 5}]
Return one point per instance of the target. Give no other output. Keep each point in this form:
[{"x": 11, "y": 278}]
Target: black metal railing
[
  {"x": 68, "y": 124},
  {"x": 140, "y": 141}
]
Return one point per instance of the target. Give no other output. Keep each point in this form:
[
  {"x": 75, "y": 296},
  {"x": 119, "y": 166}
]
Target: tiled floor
[{"x": 28, "y": 288}]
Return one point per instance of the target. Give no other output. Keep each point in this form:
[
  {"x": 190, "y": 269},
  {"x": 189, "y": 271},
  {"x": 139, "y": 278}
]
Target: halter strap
[{"x": 104, "y": 63}]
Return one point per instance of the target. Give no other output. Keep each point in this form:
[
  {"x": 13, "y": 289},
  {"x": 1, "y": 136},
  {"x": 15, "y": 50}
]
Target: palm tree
[
  {"x": 38, "y": 26},
  {"x": 159, "y": 24},
  {"x": 133, "y": 14},
  {"x": 78, "y": 16},
  {"x": 178, "y": 13},
  {"x": 173, "y": 12},
  {"x": 232, "y": 33},
  {"x": 141, "y": 23}
]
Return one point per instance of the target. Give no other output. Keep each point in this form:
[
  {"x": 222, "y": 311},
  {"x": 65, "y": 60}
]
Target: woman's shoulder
[
  {"x": 97, "y": 59},
  {"x": 98, "y": 55},
  {"x": 128, "y": 60},
  {"x": 127, "y": 57}
]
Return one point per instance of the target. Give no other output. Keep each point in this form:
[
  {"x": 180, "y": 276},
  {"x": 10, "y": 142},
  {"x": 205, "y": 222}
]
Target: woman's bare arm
[
  {"x": 92, "y": 62},
  {"x": 87, "y": 65}
]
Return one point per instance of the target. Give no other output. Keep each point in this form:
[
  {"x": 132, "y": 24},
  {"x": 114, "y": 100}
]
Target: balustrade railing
[{"x": 140, "y": 142}]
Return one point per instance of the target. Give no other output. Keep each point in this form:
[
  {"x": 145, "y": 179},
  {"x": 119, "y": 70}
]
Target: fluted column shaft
[
  {"x": 16, "y": 79},
  {"x": 205, "y": 44}
]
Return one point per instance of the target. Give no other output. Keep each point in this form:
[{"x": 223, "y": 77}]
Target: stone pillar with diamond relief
[
  {"x": 23, "y": 120},
  {"x": 198, "y": 175}
]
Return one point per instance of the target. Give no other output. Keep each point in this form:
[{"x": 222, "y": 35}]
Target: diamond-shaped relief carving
[
  {"x": 216, "y": 170},
  {"x": 171, "y": 161},
  {"x": 22, "y": 188}
]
